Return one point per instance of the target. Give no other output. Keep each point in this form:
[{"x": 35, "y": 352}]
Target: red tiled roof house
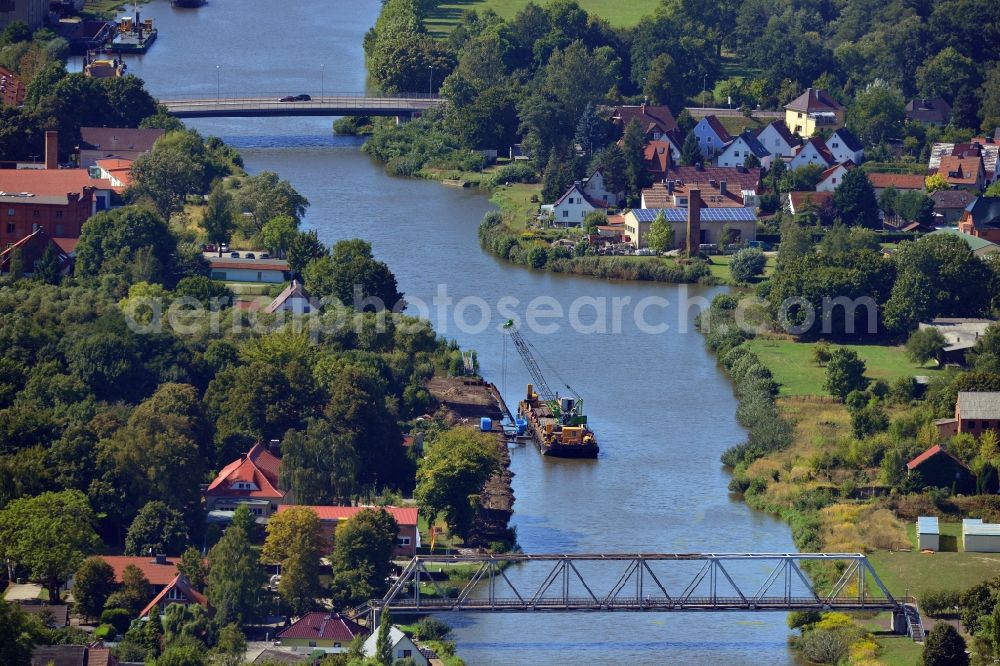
[
  {"x": 177, "y": 591},
  {"x": 252, "y": 479},
  {"x": 329, "y": 631},
  {"x": 407, "y": 541},
  {"x": 940, "y": 469}
]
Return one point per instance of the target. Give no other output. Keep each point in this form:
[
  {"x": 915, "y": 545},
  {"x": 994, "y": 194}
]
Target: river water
[{"x": 662, "y": 410}]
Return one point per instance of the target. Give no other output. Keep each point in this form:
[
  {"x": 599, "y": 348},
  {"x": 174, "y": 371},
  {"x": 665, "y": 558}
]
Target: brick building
[
  {"x": 982, "y": 219},
  {"x": 975, "y": 413}
]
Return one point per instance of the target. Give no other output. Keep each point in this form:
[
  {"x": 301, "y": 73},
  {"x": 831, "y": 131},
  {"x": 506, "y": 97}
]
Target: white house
[
  {"x": 833, "y": 176},
  {"x": 293, "y": 299},
  {"x": 595, "y": 188},
  {"x": 402, "y": 647},
  {"x": 844, "y": 146},
  {"x": 712, "y": 136},
  {"x": 736, "y": 153},
  {"x": 778, "y": 140},
  {"x": 573, "y": 206},
  {"x": 813, "y": 151},
  {"x": 248, "y": 270}
]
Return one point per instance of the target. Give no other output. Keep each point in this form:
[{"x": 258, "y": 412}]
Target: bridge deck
[
  {"x": 652, "y": 604},
  {"x": 328, "y": 105}
]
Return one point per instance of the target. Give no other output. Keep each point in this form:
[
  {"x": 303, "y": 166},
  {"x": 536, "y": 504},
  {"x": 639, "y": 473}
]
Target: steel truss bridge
[
  {"x": 676, "y": 582},
  {"x": 260, "y": 105}
]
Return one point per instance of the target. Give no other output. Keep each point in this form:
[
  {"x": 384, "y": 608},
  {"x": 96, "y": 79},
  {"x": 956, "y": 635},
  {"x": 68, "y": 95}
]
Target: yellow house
[{"x": 813, "y": 110}]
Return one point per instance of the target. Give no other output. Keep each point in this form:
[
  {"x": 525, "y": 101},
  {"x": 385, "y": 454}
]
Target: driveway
[{"x": 23, "y": 592}]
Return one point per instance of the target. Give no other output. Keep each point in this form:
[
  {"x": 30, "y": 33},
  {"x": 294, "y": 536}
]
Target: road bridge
[
  {"x": 644, "y": 582},
  {"x": 261, "y": 105}
]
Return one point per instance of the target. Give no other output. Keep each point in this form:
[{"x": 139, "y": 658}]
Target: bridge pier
[{"x": 897, "y": 623}]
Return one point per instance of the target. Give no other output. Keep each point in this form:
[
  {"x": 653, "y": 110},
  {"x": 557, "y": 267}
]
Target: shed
[
  {"x": 928, "y": 533},
  {"x": 980, "y": 537}
]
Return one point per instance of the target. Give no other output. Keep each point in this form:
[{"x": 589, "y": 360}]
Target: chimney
[
  {"x": 160, "y": 558},
  {"x": 670, "y": 187},
  {"x": 72, "y": 197},
  {"x": 51, "y": 149},
  {"x": 274, "y": 446},
  {"x": 722, "y": 187},
  {"x": 699, "y": 166},
  {"x": 694, "y": 221}
]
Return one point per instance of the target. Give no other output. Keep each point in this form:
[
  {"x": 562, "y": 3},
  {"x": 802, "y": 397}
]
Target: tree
[
  {"x": 845, "y": 372},
  {"x": 294, "y": 540},
  {"x": 362, "y": 556},
  {"x": 234, "y": 578},
  {"x": 218, "y": 220},
  {"x": 661, "y": 234},
  {"x": 383, "y": 646},
  {"x": 157, "y": 529},
  {"x": 914, "y": 207},
  {"x": 690, "y": 151},
  {"x": 265, "y": 196},
  {"x": 352, "y": 275},
  {"x": 111, "y": 241},
  {"x": 93, "y": 581},
  {"x": 165, "y": 176},
  {"x": 634, "y": 147},
  {"x": 877, "y": 114},
  {"x": 944, "y": 647},
  {"x": 611, "y": 161},
  {"x": 22, "y": 631},
  {"x": 49, "y": 535},
  {"x": 135, "y": 591},
  {"x": 48, "y": 268},
  {"x": 855, "y": 200},
  {"x": 230, "y": 650},
  {"x": 663, "y": 84},
  {"x": 924, "y": 345},
  {"x": 590, "y": 130},
  {"x": 891, "y": 469},
  {"x": 747, "y": 264},
  {"x": 193, "y": 566},
  {"x": 320, "y": 463},
  {"x": 185, "y": 654},
  {"x": 556, "y": 178},
  {"x": 936, "y": 182},
  {"x": 279, "y": 233},
  {"x": 991, "y": 191},
  {"x": 305, "y": 247},
  {"x": 452, "y": 473},
  {"x": 821, "y": 353}
]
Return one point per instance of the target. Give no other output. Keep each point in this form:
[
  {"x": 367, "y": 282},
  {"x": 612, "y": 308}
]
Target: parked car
[
  {"x": 288, "y": 98},
  {"x": 303, "y": 98},
  {"x": 760, "y": 245},
  {"x": 732, "y": 248},
  {"x": 208, "y": 247},
  {"x": 644, "y": 252},
  {"x": 708, "y": 248},
  {"x": 249, "y": 255},
  {"x": 264, "y": 255},
  {"x": 224, "y": 247},
  {"x": 234, "y": 255}
]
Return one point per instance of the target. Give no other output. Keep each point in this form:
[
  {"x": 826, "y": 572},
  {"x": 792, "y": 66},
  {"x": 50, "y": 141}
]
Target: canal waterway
[{"x": 662, "y": 410}]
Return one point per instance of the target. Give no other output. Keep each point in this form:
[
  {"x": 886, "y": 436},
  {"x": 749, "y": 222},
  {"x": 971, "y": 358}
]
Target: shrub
[
  {"x": 822, "y": 646},
  {"x": 105, "y": 632},
  {"x": 945, "y": 647},
  {"x": 429, "y": 628},
  {"x": 800, "y": 619},
  {"x": 747, "y": 264},
  {"x": 119, "y": 618},
  {"x": 538, "y": 256}
]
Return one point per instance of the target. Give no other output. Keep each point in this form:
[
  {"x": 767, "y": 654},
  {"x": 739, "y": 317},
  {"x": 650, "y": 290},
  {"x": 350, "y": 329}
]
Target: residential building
[
  {"x": 159, "y": 570},
  {"x": 98, "y": 143},
  {"x": 739, "y": 179},
  {"x": 949, "y": 205},
  {"x": 928, "y": 111},
  {"x": 741, "y": 148},
  {"x": 272, "y": 271},
  {"x": 902, "y": 182},
  {"x": 12, "y": 89},
  {"x": 965, "y": 171},
  {"x": 813, "y": 110},
  {"x": 812, "y": 151},
  {"x": 177, "y": 591},
  {"x": 800, "y": 202},
  {"x": 833, "y": 176},
  {"x": 675, "y": 194},
  {"x": 940, "y": 469},
  {"x": 712, "y": 137},
  {"x": 656, "y": 121},
  {"x": 32, "y": 249},
  {"x": 402, "y": 647},
  {"x": 979, "y": 246},
  {"x": 778, "y": 140},
  {"x": 975, "y": 413},
  {"x": 54, "y": 616},
  {"x": 31, "y": 12},
  {"x": 407, "y": 541},
  {"x": 705, "y": 224},
  {"x": 293, "y": 299},
  {"x": 982, "y": 219},
  {"x": 984, "y": 147},
  {"x": 658, "y": 156},
  {"x": 573, "y": 206},
  {"x": 116, "y": 171},
  {"x": 330, "y": 632},
  {"x": 596, "y": 189},
  {"x": 960, "y": 334},
  {"x": 252, "y": 480},
  {"x": 844, "y": 146},
  {"x": 980, "y": 537},
  {"x": 56, "y": 200},
  {"x": 92, "y": 654}
]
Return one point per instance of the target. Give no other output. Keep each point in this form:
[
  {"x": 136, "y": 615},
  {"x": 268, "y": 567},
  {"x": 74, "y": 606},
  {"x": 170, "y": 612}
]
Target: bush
[
  {"x": 119, "y": 618},
  {"x": 429, "y": 628},
  {"x": 105, "y": 632},
  {"x": 823, "y": 646},
  {"x": 938, "y": 603},
  {"x": 945, "y": 647},
  {"x": 747, "y": 264},
  {"x": 538, "y": 256}
]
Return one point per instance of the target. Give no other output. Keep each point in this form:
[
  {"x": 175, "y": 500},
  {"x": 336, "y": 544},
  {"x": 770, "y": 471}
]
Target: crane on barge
[{"x": 557, "y": 424}]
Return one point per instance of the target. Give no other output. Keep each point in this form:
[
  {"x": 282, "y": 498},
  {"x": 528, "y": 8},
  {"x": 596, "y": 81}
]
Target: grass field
[
  {"x": 916, "y": 572},
  {"x": 720, "y": 266},
  {"x": 617, "y": 12},
  {"x": 793, "y": 367}
]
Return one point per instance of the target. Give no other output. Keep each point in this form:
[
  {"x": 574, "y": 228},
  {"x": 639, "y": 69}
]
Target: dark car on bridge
[
  {"x": 303, "y": 98},
  {"x": 288, "y": 98}
]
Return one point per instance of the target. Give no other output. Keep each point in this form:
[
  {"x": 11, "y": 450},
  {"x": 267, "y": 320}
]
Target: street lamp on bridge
[
  {"x": 430, "y": 81},
  {"x": 322, "y": 80},
  {"x": 218, "y": 83}
]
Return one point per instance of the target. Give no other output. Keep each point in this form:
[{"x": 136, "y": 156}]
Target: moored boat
[{"x": 558, "y": 426}]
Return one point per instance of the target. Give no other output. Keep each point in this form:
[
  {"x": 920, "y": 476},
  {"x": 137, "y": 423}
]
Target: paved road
[{"x": 330, "y": 105}]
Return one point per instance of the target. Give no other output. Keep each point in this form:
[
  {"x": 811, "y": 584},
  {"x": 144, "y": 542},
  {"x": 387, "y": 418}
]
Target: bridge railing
[{"x": 275, "y": 95}]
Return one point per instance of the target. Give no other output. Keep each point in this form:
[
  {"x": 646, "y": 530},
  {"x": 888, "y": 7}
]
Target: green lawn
[
  {"x": 516, "y": 204},
  {"x": 719, "y": 266},
  {"x": 793, "y": 367},
  {"x": 738, "y": 124},
  {"x": 914, "y": 572},
  {"x": 617, "y": 12}
]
